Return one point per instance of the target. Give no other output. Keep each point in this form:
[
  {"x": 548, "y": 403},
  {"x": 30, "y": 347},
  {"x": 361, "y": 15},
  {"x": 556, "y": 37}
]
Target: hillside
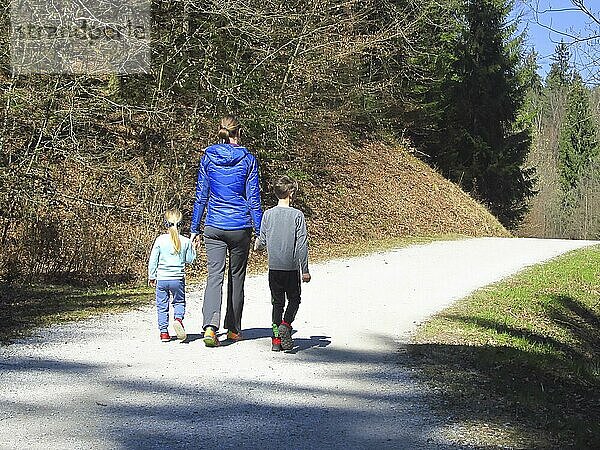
[
  {"x": 92, "y": 160},
  {"x": 375, "y": 191},
  {"x": 357, "y": 198},
  {"x": 352, "y": 194}
]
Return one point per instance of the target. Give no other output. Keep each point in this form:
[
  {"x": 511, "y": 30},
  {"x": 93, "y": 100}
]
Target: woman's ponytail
[
  {"x": 172, "y": 219},
  {"x": 230, "y": 128},
  {"x": 224, "y": 135}
]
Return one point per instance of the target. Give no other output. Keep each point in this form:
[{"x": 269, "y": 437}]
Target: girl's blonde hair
[
  {"x": 229, "y": 128},
  {"x": 173, "y": 217}
]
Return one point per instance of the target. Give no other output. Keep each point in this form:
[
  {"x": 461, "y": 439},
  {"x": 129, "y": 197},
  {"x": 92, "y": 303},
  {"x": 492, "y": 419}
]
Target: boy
[{"x": 283, "y": 232}]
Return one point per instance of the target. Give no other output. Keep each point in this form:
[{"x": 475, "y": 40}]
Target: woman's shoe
[
  {"x": 210, "y": 337},
  {"x": 233, "y": 336}
]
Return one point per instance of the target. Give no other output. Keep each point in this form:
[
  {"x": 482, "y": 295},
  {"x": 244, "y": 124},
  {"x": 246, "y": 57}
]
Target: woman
[{"x": 228, "y": 188}]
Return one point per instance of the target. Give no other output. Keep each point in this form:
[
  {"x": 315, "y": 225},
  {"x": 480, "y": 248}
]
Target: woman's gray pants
[{"x": 218, "y": 242}]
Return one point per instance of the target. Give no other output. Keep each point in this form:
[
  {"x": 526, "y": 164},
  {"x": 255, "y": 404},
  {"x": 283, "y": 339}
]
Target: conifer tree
[
  {"x": 578, "y": 146},
  {"x": 480, "y": 142},
  {"x": 560, "y": 70},
  {"x": 530, "y": 77},
  {"x": 530, "y": 112}
]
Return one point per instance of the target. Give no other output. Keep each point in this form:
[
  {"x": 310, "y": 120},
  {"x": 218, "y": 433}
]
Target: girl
[{"x": 166, "y": 272}]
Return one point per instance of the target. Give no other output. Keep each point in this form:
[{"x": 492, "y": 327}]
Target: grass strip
[
  {"x": 517, "y": 364},
  {"x": 25, "y": 307}
]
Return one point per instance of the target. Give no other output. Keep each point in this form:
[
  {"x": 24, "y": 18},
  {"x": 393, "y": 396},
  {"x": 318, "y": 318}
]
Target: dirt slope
[
  {"x": 376, "y": 191},
  {"x": 367, "y": 195}
]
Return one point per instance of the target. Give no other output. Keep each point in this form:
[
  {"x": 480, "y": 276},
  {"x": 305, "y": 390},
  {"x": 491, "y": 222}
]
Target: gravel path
[{"x": 110, "y": 383}]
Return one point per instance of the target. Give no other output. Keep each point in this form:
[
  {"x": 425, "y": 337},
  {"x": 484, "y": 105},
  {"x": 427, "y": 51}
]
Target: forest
[
  {"x": 89, "y": 162},
  {"x": 565, "y": 115}
]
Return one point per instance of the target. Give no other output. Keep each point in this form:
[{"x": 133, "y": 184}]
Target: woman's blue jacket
[{"x": 228, "y": 188}]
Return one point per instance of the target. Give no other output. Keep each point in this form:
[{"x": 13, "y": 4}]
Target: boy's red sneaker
[
  {"x": 285, "y": 334},
  {"x": 276, "y": 344},
  {"x": 165, "y": 337},
  {"x": 179, "y": 329}
]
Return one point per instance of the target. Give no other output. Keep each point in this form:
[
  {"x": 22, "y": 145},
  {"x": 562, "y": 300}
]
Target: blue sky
[{"x": 554, "y": 14}]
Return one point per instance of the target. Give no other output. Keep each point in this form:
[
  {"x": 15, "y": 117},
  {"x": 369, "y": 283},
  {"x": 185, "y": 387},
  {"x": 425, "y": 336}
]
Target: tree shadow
[
  {"x": 534, "y": 394},
  {"x": 582, "y": 323},
  {"x": 137, "y": 412},
  {"x": 550, "y": 393}
]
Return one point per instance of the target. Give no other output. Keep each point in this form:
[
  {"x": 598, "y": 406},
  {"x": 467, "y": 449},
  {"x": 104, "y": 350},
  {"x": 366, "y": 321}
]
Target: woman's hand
[
  {"x": 152, "y": 283},
  {"x": 196, "y": 241},
  {"x": 306, "y": 277}
]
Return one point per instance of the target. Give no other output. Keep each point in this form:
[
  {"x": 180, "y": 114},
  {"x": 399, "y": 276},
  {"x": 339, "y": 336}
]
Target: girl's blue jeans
[{"x": 166, "y": 289}]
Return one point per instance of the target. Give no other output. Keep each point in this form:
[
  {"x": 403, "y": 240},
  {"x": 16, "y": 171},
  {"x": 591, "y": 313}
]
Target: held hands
[
  {"x": 196, "y": 241},
  {"x": 306, "y": 277}
]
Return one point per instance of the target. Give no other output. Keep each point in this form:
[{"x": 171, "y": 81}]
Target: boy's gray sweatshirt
[{"x": 283, "y": 231}]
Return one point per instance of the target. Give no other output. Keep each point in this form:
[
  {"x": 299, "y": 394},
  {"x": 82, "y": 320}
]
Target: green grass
[
  {"x": 523, "y": 354},
  {"x": 23, "y": 308}
]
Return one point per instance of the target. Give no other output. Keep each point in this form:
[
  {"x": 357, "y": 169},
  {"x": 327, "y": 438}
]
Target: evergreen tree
[
  {"x": 426, "y": 120},
  {"x": 530, "y": 78},
  {"x": 578, "y": 146},
  {"x": 530, "y": 112},
  {"x": 480, "y": 143},
  {"x": 556, "y": 89},
  {"x": 560, "y": 70}
]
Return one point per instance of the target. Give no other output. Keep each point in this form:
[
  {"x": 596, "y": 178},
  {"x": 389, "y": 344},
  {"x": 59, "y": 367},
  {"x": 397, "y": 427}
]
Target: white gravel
[{"x": 110, "y": 383}]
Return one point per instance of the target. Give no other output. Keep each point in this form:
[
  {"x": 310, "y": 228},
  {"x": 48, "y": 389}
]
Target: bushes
[{"x": 89, "y": 163}]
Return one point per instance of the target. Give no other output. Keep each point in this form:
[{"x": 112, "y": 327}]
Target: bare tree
[
  {"x": 89, "y": 162},
  {"x": 586, "y": 40}
]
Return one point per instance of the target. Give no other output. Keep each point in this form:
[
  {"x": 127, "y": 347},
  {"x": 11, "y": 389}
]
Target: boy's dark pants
[{"x": 284, "y": 283}]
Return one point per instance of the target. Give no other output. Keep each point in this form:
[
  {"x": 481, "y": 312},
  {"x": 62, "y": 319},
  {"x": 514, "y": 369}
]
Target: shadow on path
[
  {"x": 135, "y": 412},
  {"x": 23, "y": 308},
  {"x": 301, "y": 344}
]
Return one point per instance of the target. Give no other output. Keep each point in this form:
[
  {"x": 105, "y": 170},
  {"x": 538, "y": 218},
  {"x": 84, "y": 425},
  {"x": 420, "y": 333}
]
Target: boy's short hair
[{"x": 284, "y": 186}]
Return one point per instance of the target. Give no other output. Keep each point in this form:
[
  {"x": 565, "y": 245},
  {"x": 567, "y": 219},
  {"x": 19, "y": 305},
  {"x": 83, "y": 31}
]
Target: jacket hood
[{"x": 226, "y": 154}]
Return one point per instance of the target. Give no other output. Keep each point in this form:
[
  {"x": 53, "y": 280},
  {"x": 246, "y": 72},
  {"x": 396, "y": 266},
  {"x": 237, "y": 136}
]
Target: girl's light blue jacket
[{"x": 164, "y": 263}]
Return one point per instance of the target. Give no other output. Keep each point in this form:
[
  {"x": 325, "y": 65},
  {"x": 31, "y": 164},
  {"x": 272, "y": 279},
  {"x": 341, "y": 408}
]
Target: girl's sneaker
[
  {"x": 276, "y": 344},
  {"x": 164, "y": 336},
  {"x": 210, "y": 337},
  {"x": 285, "y": 334},
  {"x": 179, "y": 329}
]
